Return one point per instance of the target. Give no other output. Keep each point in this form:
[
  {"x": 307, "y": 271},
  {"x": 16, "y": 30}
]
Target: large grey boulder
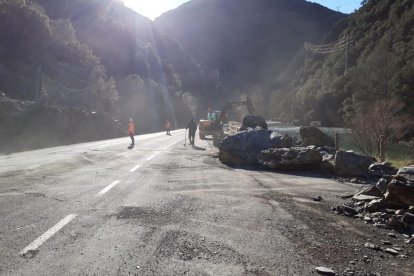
[
  {"x": 244, "y": 147},
  {"x": 381, "y": 169},
  {"x": 314, "y": 136},
  {"x": 400, "y": 191},
  {"x": 296, "y": 158},
  {"x": 352, "y": 164},
  {"x": 253, "y": 121}
]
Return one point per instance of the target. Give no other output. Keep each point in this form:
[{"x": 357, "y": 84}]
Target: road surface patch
[
  {"x": 107, "y": 188},
  {"x": 49, "y": 233}
]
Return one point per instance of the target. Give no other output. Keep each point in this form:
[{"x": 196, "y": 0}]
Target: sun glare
[{"x": 152, "y": 8}]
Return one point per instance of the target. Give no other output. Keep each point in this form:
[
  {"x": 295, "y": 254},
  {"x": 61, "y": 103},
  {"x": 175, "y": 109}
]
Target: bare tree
[{"x": 381, "y": 118}]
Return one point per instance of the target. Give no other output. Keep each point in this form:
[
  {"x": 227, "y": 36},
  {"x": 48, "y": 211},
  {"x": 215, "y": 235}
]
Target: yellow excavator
[{"x": 213, "y": 122}]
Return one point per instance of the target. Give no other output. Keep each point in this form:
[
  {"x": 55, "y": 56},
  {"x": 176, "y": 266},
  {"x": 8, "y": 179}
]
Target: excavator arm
[{"x": 239, "y": 102}]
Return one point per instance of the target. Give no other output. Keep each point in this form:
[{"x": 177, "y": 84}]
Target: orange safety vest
[{"x": 131, "y": 128}]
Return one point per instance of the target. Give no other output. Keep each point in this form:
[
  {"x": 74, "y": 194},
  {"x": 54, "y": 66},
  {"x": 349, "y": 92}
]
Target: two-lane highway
[
  {"x": 168, "y": 209},
  {"x": 39, "y": 187}
]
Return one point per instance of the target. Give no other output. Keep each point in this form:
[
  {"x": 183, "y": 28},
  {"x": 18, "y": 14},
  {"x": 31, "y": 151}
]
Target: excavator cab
[{"x": 210, "y": 125}]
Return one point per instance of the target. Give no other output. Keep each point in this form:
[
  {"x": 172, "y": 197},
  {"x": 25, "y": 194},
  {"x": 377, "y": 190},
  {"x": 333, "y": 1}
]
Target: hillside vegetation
[
  {"x": 80, "y": 58},
  {"x": 380, "y": 69}
]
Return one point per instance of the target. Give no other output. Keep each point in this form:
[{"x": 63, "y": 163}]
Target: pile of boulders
[
  {"x": 294, "y": 158},
  {"x": 245, "y": 146},
  {"x": 388, "y": 204},
  {"x": 259, "y": 146}
]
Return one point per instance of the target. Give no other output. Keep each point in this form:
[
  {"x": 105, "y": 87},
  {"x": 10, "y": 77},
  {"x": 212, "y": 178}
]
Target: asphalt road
[{"x": 163, "y": 208}]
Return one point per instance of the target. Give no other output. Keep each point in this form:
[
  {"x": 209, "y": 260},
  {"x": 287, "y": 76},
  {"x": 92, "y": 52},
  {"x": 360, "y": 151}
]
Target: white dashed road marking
[
  {"x": 135, "y": 168},
  {"x": 107, "y": 188},
  {"x": 154, "y": 155},
  {"x": 49, "y": 233},
  {"x": 40, "y": 240}
]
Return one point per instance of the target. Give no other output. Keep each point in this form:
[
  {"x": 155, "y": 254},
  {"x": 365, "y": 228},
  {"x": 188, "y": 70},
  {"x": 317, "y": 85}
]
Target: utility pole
[
  {"x": 346, "y": 54},
  {"x": 306, "y": 57},
  {"x": 38, "y": 83}
]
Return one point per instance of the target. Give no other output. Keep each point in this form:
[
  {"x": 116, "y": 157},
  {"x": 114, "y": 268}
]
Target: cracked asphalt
[{"x": 180, "y": 212}]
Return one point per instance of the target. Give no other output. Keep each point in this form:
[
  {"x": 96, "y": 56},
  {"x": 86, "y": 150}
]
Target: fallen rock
[
  {"x": 391, "y": 251},
  {"x": 352, "y": 164},
  {"x": 327, "y": 153},
  {"x": 383, "y": 183},
  {"x": 400, "y": 212},
  {"x": 372, "y": 246},
  {"x": 296, "y": 158},
  {"x": 324, "y": 271},
  {"x": 319, "y": 198},
  {"x": 314, "y": 136},
  {"x": 365, "y": 197},
  {"x": 392, "y": 235},
  {"x": 345, "y": 210},
  {"x": 370, "y": 191},
  {"x": 397, "y": 224},
  {"x": 244, "y": 147},
  {"x": 400, "y": 191},
  {"x": 367, "y": 219},
  {"x": 408, "y": 218},
  {"x": 253, "y": 121},
  {"x": 407, "y": 173},
  {"x": 381, "y": 169},
  {"x": 375, "y": 205}
]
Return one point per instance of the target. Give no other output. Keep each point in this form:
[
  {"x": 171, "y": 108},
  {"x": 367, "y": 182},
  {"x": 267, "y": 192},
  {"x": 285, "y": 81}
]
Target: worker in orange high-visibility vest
[
  {"x": 131, "y": 130},
  {"x": 168, "y": 127}
]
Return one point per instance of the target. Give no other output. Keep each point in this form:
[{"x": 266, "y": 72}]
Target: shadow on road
[
  {"x": 303, "y": 173},
  {"x": 198, "y": 148}
]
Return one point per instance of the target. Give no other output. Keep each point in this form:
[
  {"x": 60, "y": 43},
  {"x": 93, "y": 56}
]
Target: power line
[
  {"x": 64, "y": 87},
  {"x": 333, "y": 47},
  {"x": 340, "y": 45}
]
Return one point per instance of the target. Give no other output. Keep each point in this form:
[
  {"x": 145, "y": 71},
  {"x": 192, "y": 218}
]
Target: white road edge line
[
  {"x": 107, "y": 188},
  {"x": 135, "y": 168},
  {"x": 49, "y": 233},
  {"x": 152, "y": 156}
]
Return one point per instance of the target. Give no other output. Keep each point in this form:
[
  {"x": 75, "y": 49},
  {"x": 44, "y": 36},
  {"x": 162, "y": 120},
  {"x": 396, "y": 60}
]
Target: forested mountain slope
[
  {"x": 88, "y": 57},
  {"x": 380, "y": 68}
]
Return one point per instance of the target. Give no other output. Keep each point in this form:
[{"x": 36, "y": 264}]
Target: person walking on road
[
  {"x": 131, "y": 131},
  {"x": 168, "y": 127},
  {"x": 192, "y": 128}
]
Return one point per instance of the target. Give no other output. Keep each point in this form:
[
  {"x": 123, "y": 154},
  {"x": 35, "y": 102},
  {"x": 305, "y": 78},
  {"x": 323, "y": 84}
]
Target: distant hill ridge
[{"x": 252, "y": 47}]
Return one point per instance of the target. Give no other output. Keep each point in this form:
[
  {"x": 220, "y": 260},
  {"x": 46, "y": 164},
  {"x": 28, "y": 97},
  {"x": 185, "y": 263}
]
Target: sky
[{"x": 154, "y": 8}]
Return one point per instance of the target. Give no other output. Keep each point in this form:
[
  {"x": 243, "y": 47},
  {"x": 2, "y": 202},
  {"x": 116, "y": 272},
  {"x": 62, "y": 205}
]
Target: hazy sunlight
[{"x": 153, "y": 8}]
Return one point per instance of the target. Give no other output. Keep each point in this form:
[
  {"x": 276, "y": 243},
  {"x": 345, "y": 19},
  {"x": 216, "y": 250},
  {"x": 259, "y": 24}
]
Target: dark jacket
[{"x": 192, "y": 127}]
